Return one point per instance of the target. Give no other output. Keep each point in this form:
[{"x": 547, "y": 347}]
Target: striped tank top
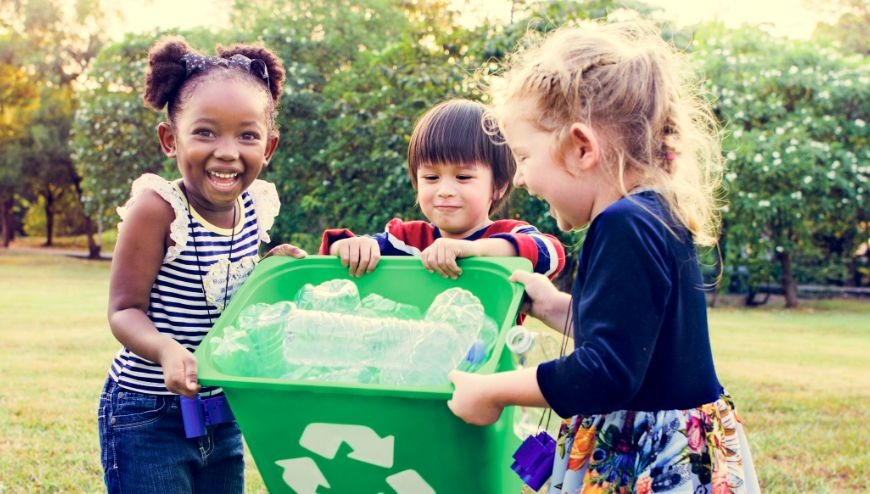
[{"x": 205, "y": 264}]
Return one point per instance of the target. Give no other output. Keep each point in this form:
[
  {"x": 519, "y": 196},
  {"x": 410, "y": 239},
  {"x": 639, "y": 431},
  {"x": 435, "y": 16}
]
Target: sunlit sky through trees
[{"x": 791, "y": 18}]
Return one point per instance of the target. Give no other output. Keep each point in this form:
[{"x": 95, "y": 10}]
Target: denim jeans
[{"x": 143, "y": 447}]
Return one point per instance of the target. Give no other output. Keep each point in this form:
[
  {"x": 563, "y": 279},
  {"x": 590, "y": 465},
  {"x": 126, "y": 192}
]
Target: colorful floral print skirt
[{"x": 697, "y": 451}]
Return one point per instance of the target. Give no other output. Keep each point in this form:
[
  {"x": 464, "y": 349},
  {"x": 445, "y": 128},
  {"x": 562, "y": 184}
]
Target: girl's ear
[
  {"x": 271, "y": 146},
  {"x": 166, "y": 136},
  {"x": 583, "y": 148}
]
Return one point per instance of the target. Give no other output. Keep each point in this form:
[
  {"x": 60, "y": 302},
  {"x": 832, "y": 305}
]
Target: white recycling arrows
[
  {"x": 304, "y": 477},
  {"x": 325, "y": 439},
  {"x": 410, "y": 482}
]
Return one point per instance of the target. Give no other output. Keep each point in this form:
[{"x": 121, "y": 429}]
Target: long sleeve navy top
[{"x": 640, "y": 318}]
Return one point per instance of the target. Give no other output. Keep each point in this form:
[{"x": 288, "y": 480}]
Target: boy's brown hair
[{"x": 453, "y": 133}]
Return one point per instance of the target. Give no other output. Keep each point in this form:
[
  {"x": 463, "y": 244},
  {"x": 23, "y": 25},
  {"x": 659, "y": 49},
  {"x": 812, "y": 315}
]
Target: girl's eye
[
  {"x": 250, "y": 136},
  {"x": 464, "y": 177},
  {"x": 430, "y": 178},
  {"x": 203, "y": 133}
]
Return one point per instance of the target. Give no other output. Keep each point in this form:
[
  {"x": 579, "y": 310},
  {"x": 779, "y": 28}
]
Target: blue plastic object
[
  {"x": 534, "y": 459},
  {"x": 199, "y": 413},
  {"x": 477, "y": 353}
]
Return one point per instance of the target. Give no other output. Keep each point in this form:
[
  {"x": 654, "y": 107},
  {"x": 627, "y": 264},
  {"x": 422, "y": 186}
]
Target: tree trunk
[
  {"x": 789, "y": 285},
  {"x": 8, "y": 230},
  {"x": 49, "y": 218},
  {"x": 93, "y": 246}
]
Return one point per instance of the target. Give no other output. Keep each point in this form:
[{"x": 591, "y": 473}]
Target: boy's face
[{"x": 455, "y": 198}]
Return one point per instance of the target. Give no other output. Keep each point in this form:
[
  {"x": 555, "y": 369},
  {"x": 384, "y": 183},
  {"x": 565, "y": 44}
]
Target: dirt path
[{"x": 55, "y": 251}]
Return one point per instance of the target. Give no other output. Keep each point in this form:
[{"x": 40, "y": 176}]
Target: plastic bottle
[{"x": 337, "y": 295}]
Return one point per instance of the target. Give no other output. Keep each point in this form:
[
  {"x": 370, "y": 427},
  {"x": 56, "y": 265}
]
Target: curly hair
[{"x": 168, "y": 84}]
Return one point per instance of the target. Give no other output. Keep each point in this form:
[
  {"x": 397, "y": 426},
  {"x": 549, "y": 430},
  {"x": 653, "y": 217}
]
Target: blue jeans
[{"x": 143, "y": 447}]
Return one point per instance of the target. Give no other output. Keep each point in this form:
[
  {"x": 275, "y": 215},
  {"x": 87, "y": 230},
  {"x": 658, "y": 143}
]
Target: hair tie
[
  {"x": 194, "y": 62},
  {"x": 670, "y": 156}
]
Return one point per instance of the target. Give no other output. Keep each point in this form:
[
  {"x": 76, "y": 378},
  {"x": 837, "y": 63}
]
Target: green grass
[{"x": 801, "y": 381}]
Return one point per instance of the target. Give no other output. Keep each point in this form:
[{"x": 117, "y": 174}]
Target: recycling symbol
[{"x": 304, "y": 477}]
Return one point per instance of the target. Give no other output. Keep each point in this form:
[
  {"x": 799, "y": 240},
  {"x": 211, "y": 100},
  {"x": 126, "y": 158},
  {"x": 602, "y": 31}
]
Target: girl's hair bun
[
  {"x": 260, "y": 52},
  {"x": 166, "y": 72}
]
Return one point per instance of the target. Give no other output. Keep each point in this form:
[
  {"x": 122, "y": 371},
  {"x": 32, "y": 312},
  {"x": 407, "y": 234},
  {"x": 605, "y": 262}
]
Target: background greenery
[
  {"x": 801, "y": 380},
  {"x": 74, "y": 132}
]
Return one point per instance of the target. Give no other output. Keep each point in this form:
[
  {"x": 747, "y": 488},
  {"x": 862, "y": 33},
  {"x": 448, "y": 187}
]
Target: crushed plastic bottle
[
  {"x": 374, "y": 340},
  {"x": 330, "y": 296},
  {"x": 529, "y": 349},
  {"x": 374, "y": 305}
]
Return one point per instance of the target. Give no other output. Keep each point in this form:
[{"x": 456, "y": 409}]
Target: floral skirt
[{"x": 697, "y": 451}]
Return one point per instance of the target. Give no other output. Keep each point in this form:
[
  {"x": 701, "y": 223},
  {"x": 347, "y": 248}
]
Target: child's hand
[
  {"x": 540, "y": 291},
  {"x": 179, "y": 369},
  {"x": 286, "y": 250},
  {"x": 470, "y": 400},
  {"x": 359, "y": 254},
  {"x": 440, "y": 257}
]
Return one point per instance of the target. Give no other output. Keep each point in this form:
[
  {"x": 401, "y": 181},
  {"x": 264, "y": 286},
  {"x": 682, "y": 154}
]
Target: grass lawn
[{"x": 801, "y": 380}]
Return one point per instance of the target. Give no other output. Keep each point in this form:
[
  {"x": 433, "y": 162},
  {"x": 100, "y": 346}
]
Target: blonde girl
[{"x": 605, "y": 128}]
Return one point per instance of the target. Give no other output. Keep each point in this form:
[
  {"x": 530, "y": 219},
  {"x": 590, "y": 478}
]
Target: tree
[
  {"x": 17, "y": 103},
  {"x": 796, "y": 147},
  {"x": 852, "y": 28},
  {"x": 50, "y": 48}
]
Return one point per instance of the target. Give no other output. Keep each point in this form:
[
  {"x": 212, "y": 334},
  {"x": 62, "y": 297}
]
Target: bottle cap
[{"x": 519, "y": 340}]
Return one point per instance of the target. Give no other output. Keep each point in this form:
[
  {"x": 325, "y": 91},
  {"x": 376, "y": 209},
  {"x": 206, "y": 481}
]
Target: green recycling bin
[{"x": 313, "y": 437}]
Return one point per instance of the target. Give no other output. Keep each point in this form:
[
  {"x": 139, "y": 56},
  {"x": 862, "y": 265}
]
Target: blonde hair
[{"x": 626, "y": 83}]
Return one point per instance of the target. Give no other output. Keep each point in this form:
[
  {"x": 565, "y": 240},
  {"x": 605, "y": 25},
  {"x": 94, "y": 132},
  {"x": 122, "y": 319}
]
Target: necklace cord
[{"x": 196, "y": 253}]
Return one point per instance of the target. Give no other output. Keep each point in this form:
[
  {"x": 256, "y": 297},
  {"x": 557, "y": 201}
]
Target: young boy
[{"x": 461, "y": 177}]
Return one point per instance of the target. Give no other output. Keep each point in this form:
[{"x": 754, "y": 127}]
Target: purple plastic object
[
  {"x": 534, "y": 459},
  {"x": 198, "y": 413}
]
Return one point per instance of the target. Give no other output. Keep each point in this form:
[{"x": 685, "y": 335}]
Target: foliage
[
  {"x": 49, "y": 46},
  {"x": 796, "y": 146},
  {"x": 114, "y": 137}
]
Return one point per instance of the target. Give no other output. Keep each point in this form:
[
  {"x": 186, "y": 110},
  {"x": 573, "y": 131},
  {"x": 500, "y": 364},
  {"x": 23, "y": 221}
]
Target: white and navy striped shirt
[{"x": 187, "y": 296}]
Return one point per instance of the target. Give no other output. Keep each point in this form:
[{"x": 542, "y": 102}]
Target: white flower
[
  {"x": 808, "y": 179},
  {"x": 731, "y": 177},
  {"x": 835, "y": 164},
  {"x": 764, "y": 204},
  {"x": 831, "y": 174},
  {"x": 792, "y": 70},
  {"x": 859, "y": 123},
  {"x": 731, "y": 156},
  {"x": 738, "y": 133},
  {"x": 758, "y": 158},
  {"x": 780, "y": 131}
]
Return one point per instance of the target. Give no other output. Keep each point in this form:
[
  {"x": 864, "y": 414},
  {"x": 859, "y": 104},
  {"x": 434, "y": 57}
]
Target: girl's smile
[{"x": 221, "y": 142}]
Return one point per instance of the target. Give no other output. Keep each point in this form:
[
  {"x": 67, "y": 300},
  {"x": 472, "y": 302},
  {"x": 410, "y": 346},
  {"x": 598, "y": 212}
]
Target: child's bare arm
[
  {"x": 135, "y": 263},
  {"x": 479, "y": 399}
]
